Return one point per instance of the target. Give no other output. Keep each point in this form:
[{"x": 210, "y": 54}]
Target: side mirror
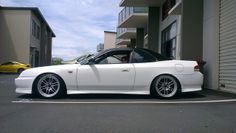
[{"x": 91, "y": 61}]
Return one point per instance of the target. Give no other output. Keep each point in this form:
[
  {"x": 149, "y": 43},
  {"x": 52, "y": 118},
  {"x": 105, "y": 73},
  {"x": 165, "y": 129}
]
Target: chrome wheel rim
[
  {"x": 166, "y": 86},
  {"x": 48, "y": 85}
]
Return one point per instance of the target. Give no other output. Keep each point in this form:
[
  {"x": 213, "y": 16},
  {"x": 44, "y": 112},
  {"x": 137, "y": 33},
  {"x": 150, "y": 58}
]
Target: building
[
  {"x": 187, "y": 30},
  {"x": 125, "y": 36},
  {"x": 100, "y": 47},
  {"x": 109, "y": 39},
  {"x": 25, "y": 36}
]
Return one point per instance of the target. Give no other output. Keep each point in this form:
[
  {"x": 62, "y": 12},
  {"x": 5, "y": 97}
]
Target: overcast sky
[{"x": 79, "y": 25}]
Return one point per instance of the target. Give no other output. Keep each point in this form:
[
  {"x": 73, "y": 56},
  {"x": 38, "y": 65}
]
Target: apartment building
[
  {"x": 187, "y": 30},
  {"x": 25, "y": 36},
  {"x": 109, "y": 39}
]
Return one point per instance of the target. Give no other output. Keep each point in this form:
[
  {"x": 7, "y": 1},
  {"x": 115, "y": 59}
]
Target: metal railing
[
  {"x": 128, "y": 11},
  {"x": 123, "y": 30},
  {"x": 118, "y": 41}
]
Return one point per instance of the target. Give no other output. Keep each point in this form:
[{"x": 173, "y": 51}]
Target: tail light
[
  {"x": 28, "y": 65},
  {"x": 197, "y": 68}
]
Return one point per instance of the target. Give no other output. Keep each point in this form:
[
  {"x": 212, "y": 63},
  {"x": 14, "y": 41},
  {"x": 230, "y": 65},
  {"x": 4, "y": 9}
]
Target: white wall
[
  {"x": 211, "y": 42},
  {"x": 14, "y": 35},
  {"x": 109, "y": 40}
]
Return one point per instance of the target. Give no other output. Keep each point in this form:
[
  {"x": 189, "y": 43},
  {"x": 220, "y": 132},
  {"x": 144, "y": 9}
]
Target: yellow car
[{"x": 13, "y": 67}]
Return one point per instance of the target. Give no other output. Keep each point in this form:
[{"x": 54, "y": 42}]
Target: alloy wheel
[
  {"x": 166, "y": 86},
  {"x": 48, "y": 85}
]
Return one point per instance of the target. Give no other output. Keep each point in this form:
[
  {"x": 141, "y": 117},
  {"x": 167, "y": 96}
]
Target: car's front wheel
[
  {"x": 49, "y": 86},
  {"x": 165, "y": 86}
]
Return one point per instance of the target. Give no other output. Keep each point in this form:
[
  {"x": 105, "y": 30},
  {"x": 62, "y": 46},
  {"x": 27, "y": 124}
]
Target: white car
[
  {"x": 77, "y": 60},
  {"x": 114, "y": 71}
]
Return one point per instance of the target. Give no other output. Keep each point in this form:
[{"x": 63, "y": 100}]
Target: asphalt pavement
[{"x": 198, "y": 112}]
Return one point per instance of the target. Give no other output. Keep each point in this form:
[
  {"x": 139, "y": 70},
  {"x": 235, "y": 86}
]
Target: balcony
[
  {"x": 133, "y": 17},
  {"x": 177, "y": 9},
  {"x": 139, "y": 3},
  {"x": 126, "y": 33},
  {"x": 122, "y": 42}
]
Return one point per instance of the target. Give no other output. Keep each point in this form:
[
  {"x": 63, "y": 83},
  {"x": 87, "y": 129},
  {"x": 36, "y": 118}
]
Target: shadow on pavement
[{"x": 189, "y": 96}]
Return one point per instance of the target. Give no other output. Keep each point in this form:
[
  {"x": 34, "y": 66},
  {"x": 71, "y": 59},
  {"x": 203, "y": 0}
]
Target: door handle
[{"x": 125, "y": 70}]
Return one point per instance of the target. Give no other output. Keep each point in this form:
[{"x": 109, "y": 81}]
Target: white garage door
[{"x": 227, "y": 73}]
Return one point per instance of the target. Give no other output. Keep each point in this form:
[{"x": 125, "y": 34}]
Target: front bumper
[{"x": 24, "y": 85}]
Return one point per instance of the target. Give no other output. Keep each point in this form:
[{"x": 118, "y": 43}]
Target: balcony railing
[
  {"x": 121, "y": 31},
  {"x": 122, "y": 41},
  {"x": 128, "y": 11}
]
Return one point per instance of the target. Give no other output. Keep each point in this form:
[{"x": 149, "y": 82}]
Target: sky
[{"x": 79, "y": 25}]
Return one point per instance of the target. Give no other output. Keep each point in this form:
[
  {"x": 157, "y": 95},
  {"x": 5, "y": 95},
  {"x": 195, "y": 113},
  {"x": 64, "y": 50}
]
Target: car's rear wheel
[
  {"x": 165, "y": 86},
  {"x": 50, "y": 86}
]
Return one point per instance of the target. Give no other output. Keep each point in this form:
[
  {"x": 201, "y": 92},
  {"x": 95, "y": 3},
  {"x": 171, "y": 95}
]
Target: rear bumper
[
  {"x": 191, "y": 82},
  {"x": 24, "y": 85}
]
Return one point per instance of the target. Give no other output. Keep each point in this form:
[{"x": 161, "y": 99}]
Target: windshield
[
  {"x": 85, "y": 60},
  {"x": 81, "y": 58}
]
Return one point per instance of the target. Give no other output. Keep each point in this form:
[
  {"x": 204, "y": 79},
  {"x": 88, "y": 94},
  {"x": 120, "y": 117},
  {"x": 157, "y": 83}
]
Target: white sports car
[{"x": 114, "y": 71}]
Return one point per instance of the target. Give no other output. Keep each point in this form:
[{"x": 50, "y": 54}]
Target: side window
[
  {"x": 116, "y": 58},
  {"x": 159, "y": 57},
  {"x": 7, "y": 63},
  {"x": 140, "y": 56}
]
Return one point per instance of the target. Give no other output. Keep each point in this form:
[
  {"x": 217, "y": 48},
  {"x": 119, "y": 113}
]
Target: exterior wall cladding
[
  {"x": 189, "y": 30},
  {"x": 27, "y": 37}
]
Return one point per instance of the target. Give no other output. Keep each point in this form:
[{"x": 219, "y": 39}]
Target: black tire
[
  {"x": 49, "y": 86},
  {"x": 20, "y": 70},
  {"x": 165, "y": 86}
]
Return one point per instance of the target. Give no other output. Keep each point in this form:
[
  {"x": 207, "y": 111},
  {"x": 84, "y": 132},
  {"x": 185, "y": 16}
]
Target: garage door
[{"x": 227, "y": 73}]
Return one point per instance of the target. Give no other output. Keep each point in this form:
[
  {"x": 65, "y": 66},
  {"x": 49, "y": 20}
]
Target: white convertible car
[{"x": 114, "y": 71}]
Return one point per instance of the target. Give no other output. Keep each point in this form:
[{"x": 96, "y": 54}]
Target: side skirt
[{"x": 108, "y": 92}]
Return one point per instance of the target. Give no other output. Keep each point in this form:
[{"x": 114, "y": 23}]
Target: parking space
[{"x": 206, "y": 111}]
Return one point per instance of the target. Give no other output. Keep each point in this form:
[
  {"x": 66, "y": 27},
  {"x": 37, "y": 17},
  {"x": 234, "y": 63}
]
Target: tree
[{"x": 56, "y": 60}]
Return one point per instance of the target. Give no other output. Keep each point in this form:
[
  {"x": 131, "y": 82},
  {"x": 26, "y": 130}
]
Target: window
[
  {"x": 114, "y": 58},
  {"x": 159, "y": 57},
  {"x": 38, "y": 32},
  {"x": 46, "y": 50},
  {"x": 8, "y": 63},
  {"x": 140, "y": 56},
  {"x": 110, "y": 60},
  {"x": 35, "y": 30},
  {"x": 168, "y": 47}
]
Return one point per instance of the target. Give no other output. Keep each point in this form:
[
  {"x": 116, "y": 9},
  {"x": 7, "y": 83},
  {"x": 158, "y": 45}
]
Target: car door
[
  {"x": 143, "y": 62},
  {"x": 110, "y": 72},
  {"x": 12, "y": 67}
]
